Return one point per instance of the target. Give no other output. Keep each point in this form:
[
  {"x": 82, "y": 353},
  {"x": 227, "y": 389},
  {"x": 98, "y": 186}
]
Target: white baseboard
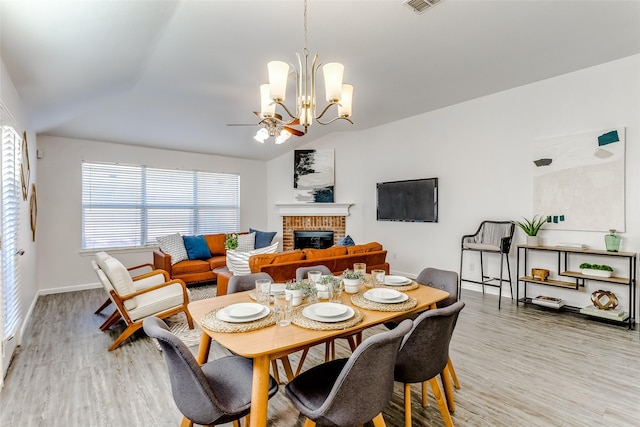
[{"x": 73, "y": 288}]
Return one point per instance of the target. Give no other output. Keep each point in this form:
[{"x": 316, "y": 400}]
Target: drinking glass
[
  {"x": 263, "y": 291},
  {"x": 378, "y": 277},
  {"x": 335, "y": 290},
  {"x": 360, "y": 267},
  {"x": 283, "y": 308},
  {"x": 314, "y": 276}
]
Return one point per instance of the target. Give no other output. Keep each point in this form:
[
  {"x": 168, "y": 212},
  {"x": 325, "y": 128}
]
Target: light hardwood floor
[{"x": 520, "y": 366}]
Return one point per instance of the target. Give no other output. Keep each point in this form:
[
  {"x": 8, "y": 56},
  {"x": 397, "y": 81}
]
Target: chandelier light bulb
[
  {"x": 261, "y": 135},
  {"x": 278, "y": 73},
  {"x": 267, "y": 106},
  {"x": 333, "y": 80},
  {"x": 344, "y": 107}
]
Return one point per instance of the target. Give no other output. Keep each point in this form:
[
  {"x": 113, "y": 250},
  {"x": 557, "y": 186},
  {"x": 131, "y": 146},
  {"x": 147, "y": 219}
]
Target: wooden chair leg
[
  {"x": 445, "y": 376},
  {"x": 352, "y": 343},
  {"x": 309, "y": 423},
  {"x": 115, "y": 316},
  {"x": 287, "y": 367},
  {"x": 125, "y": 334},
  {"x": 303, "y": 356},
  {"x": 186, "y": 422},
  {"x": 378, "y": 421},
  {"x": 247, "y": 420},
  {"x": 454, "y": 377},
  {"x": 274, "y": 368},
  {"x": 442, "y": 404},
  {"x": 407, "y": 405},
  {"x": 236, "y": 423},
  {"x": 425, "y": 397},
  {"x": 103, "y": 306}
]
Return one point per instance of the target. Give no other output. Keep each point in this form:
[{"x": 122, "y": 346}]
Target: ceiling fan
[{"x": 273, "y": 127}]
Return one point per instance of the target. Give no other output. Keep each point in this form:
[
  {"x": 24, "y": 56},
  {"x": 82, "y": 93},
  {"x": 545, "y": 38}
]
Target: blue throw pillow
[
  {"x": 196, "y": 247},
  {"x": 346, "y": 241},
  {"x": 263, "y": 238}
]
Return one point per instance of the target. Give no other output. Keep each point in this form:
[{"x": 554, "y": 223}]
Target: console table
[{"x": 576, "y": 279}]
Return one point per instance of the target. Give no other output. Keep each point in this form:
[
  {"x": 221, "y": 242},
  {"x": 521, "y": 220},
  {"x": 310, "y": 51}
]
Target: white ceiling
[{"x": 172, "y": 74}]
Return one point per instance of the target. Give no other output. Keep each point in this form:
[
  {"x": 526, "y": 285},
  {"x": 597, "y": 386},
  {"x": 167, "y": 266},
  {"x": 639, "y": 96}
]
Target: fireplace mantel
[{"x": 313, "y": 209}]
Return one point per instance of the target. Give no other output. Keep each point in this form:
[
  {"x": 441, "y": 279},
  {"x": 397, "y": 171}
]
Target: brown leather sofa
[
  {"x": 282, "y": 266},
  {"x": 195, "y": 271}
]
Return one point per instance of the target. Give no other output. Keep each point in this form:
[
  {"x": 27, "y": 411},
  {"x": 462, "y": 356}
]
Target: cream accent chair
[
  {"x": 101, "y": 256},
  {"x": 160, "y": 297}
]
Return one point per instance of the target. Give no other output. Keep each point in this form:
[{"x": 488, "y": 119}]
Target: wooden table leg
[
  {"x": 260, "y": 391},
  {"x": 203, "y": 350},
  {"x": 445, "y": 376}
]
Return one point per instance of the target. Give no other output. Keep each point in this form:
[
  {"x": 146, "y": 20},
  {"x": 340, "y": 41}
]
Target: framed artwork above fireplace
[{"x": 313, "y": 176}]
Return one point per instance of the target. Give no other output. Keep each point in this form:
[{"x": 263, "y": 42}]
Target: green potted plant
[
  {"x": 351, "y": 281},
  {"x": 231, "y": 241},
  {"x": 599, "y": 270},
  {"x": 531, "y": 228},
  {"x": 300, "y": 290}
]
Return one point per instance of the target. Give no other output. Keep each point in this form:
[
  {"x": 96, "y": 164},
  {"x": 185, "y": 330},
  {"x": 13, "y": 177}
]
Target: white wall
[
  {"x": 62, "y": 264},
  {"x": 480, "y": 151},
  {"x": 27, "y": 262}
]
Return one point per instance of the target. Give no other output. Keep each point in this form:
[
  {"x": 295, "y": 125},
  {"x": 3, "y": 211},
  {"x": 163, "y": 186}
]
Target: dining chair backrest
[
  {"x": 245, "y": 282},
  {"x": 425, "y": 350},
  {"x": 441, "y": 279},
  {"x": 301, "y": 272},
  {"x": 192, "y": 393},
  {"x": 363, "y": 387}
]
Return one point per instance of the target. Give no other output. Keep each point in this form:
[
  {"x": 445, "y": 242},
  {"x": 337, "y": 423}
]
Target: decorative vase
[
  {"x": 612, "y": 241},
  {"x": 533, "y": 241}
]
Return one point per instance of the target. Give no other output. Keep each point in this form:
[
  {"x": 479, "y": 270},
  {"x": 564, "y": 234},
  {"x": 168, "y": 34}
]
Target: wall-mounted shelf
[{"x": 578, "y": 278}]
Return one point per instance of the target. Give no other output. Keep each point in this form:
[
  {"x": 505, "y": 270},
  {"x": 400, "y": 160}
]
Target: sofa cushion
[
  {"x": 238, "y": 261},
  {"x": 325, "y": 253},
  {"x": 217, "y": 261},
  {"x": 173, "y": 245},
  {"x": 246, "y": 242},
  {"x": 346, "y": 241},
  {"x": 367, "y": 247},
  {"x": 190, "y": 266},
  {"x": 100, "y": 259},
  {"x": 196, "y": 247},
  {"x": 257, "y": 261},
  {"x": 263, "y": 238},
  {"x": 215, "y": 242},
  {"x": 120, "y": 280}
]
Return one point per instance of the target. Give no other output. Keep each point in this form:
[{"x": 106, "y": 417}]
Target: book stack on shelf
[
  {"x": 548, "y": 301},
  {"x": 615, "y": 314}
]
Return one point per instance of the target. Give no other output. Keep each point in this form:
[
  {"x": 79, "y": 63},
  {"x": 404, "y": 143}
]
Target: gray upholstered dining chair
[
  {"x": 349, "y": 392},
  {"x": 424, "y": 355},
  {"x": 215, "y": 393},
  {"x": 247, "y": 282}
]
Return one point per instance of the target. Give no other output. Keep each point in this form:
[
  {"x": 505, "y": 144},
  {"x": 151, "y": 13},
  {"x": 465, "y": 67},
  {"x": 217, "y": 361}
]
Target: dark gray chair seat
[
  {"x": 217, "y": 392},
  {"x": 353, "y": 391}
]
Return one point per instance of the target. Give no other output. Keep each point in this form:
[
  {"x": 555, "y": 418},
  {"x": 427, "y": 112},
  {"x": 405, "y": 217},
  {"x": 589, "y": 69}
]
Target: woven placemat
[
  {"x": 211, "y": 322},
  {"x": 411, "y": 286},
  {"x": 304, "y": 322},
  {"x": 362, "y": 302}
]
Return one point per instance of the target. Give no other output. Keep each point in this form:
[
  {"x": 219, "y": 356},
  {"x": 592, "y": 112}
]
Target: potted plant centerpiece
[
  {"x": 599, "y": 270},
  {"x": 300, "y": 290},
  {"x": 351, "y": 281},
  {"x": 531, "y": 228}
]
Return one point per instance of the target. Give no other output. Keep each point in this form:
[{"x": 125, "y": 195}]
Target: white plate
[
  {"x": 226, "y": 317},
  {"x": 277, "y": 288},
  {"x": 243, "y": 309},
  {"x": 396, "y": 280},
  {"x": 311, "y": 313},
  {"x": 373, "y": 295},
  {"x": 329, "y": 309},
  {"x": 384, "y": 293}
]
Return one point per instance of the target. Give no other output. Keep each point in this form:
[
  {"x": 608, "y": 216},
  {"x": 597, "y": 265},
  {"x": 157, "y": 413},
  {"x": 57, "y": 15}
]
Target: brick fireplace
[{"x": 312, "y": 217}]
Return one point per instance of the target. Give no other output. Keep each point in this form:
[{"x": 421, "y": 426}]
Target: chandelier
[{"x": 304, "y": 113}]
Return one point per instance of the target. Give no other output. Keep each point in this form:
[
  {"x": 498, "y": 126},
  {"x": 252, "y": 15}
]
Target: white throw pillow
[
  {"x": 238, "y": 261},
  {"x": 173, "y": 245},
  {"x": 246, "y": 242}
]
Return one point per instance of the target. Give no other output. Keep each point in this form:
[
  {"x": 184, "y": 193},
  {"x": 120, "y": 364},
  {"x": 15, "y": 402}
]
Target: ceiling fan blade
[{"x": 293, "y": 131}]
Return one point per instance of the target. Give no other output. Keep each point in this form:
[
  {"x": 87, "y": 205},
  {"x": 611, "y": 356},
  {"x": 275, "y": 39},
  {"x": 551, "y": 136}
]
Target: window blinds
[{"x": 128, "y": 206}]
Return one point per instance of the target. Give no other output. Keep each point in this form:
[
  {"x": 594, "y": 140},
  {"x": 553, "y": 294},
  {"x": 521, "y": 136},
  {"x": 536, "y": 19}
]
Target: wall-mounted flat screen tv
[{"x": 413, "y": 200}]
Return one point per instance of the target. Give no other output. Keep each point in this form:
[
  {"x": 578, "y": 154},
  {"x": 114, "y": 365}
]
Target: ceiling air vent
[{"x": 420, "y": 6}]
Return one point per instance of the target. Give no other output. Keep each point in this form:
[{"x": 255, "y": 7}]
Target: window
[
  {"x": 129, "y": 206},
  {"x": 10, "y": 299}
]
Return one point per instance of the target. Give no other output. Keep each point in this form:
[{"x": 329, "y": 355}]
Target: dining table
[{"x": 274, "y": 342}]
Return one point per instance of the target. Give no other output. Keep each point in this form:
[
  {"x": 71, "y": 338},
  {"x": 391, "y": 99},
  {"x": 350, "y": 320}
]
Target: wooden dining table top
[{"x": 272, "y": 342}]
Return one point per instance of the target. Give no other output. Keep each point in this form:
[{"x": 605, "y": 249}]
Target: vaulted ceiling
[{"x": 173, "y": 74}]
